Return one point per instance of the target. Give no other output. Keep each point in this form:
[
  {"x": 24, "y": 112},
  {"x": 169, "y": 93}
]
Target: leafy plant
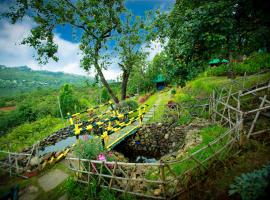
[
  {"x": 129, "y": 105},
  {"x": 173, "y": 91},
  {"x": 104, "y": 95},
  {"x": 251, "y": 185},
  {"x": 89, "y": 149},
  {"x": 68, "y": 100}
]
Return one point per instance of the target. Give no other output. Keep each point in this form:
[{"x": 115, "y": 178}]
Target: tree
[
  {"x": 95, "y": 20},
  {"x": 68, "y": 101},
  {"x": 200, "y": 30},
  {"x": 130, "y": 53}
]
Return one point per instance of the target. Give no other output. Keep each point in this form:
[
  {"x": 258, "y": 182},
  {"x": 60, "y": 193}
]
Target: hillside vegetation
[{"x": 17, "y": 80}]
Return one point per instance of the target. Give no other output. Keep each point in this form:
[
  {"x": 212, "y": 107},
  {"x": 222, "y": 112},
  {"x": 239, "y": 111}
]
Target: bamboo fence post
[
  {"x": 238, "y": 108},
  {"x": 213, "y": 106},
  {"x": 227, "y": 101},
  {"x": 88, "y": 174},
  {"x": 16, "y": 163},
  {"x": 244, "y": 80},
  {"x": 9, "y": 160},
  {"x": 100, "y": 172},
  {"x": 256, "y": 116},
  {"x": 197, "y": 161},
  {"x": 229, "y": 117},
  {"x": 113, "y": 174},
  {"x": 37, "y": 154},
  {"x": 163, "y": 179},
  {"x": 32, "y": 151}
]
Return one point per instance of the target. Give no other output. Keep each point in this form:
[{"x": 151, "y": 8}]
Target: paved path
[
  {"x": 52, "y": 179},
  {"x": 151, "y": 112}
]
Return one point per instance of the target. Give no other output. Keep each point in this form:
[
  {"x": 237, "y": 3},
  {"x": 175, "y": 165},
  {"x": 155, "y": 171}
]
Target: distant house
[
  {"x": 215, "y": 62},
  {"x": 160, "y": 82}
]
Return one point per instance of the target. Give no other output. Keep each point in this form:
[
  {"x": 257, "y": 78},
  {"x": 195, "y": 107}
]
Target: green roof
[
  {"x": 159, "y": 78},
  {"x": 224, "y": 61},
  {"x": 217, "y": 61}
]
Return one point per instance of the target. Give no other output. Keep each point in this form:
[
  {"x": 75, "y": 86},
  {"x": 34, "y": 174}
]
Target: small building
[
  {"x": 160, "y": 82},
  {"x": 215, "y": 62}
]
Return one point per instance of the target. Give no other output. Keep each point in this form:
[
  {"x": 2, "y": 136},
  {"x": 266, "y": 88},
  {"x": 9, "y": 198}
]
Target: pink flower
[
  {"x": 85, "y": 137},
  {"x": 101, "y": 157},
  {"x": 110, "y": 154}
]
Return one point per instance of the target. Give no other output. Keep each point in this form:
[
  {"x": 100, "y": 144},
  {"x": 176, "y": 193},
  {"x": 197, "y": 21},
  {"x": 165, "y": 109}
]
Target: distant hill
[{"x": 14, "y": 80}]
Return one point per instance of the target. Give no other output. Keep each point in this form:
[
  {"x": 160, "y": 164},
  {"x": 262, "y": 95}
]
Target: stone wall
[{"x": 153, "y": 140}]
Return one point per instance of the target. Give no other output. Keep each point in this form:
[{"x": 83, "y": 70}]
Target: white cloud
[
  {"x": 14, "y": 54},
  {"x": 154, "y": 48}
]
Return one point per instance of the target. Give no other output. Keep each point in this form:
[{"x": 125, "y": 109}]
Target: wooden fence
[
  {"x": 166, "y": 180},
  {"x": 18, "y": 163}
]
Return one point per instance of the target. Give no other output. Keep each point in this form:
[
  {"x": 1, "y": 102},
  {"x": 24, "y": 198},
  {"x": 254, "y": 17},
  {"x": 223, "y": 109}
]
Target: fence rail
[{"x": 165, "y": 180}]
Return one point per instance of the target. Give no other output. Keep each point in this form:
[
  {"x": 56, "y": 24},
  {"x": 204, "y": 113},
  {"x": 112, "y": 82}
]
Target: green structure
[
  {"x": 217, "y": 61},
  {"x": 160, "y": 82}
]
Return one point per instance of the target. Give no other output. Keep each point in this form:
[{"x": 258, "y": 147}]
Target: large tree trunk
[
  {"x": 100, "y": 73},
  {"x": 106, "y": 84},
  {"x": 124, "y": 85}
]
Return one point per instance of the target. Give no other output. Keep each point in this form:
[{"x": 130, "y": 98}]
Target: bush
[
  {"x": 173, "y": 91},
  {"x": 253, "y": 64},
  {"x": 27, "y": 134},
  {"x": 89, "y": 149},
  {"x": 105, "y": 95},
  {"x": 68, "y": 100},
  {"x": 128, "y": 105},
  {"x": 252, "y": 185},
  {"x": 142, "y": 99}
]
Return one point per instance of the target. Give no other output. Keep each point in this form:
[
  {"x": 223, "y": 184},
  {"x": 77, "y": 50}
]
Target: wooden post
[
  {"x": 16, "y": 163},
  {"x": 227, "y": 101},
  {"x": 256, "y": 116},
  {"x": 162, "y": 177},
  {"x": 37, "y": 154},
  {"x": 244, "y": 80},
  {"x": 59, "y": 106},
  {"x": 213, "y": 106},
  {"x": 9, "y": 160}
]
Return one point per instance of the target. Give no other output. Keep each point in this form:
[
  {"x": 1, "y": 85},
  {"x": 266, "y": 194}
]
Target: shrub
[
  {"x": 105, "y": 95},
  {"x": 89, "y": 149},
  {"x": 27, "y": 134},
  {"x": 252, "y": 185},
  {"x": 173, "y": 91},
  {"x": 68, "y": 100},
  {"x": 253, "y": 64},
  {"x": 142, "y": 99},
  {"x": 129, "y": 105}
]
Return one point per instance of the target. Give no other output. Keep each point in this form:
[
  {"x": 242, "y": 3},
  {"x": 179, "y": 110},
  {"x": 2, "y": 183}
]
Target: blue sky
[{"x": 13, "y": 54}]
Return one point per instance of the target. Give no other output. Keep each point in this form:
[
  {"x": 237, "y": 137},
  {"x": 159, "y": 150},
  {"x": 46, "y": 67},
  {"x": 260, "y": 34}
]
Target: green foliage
[
  {"x": 129, "y": 105},
  {"x": 173, "y": 91},
  {"x": 18, "y": 80},
  {"x": 89, "y": 149},
  {"x": 77, "y": 191},
  {"x": 68, "y": 101},
  {"x": 253, "y": 64},
  {"x": 196, "y": 31},
  {"x": 104, "y": 95},
  {"x": 27, "y": 134},
  {"x": 95, "y": 24},
  {"x": 251, "y": 185},
  {"x": 208, "y": 134},
  {"x": 130, "y": 55},
  {"x": 185, "y": 117}
]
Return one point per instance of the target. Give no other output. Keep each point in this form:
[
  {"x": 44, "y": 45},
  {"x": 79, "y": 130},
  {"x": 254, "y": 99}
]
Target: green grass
[
  {"x": 208, "y": 134},
  {"x": 27, "y": 134},
  {"x": 151, "y": 100},
  {"x": 203, "y": 86},
  {"x": 164, "y": 97}
]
